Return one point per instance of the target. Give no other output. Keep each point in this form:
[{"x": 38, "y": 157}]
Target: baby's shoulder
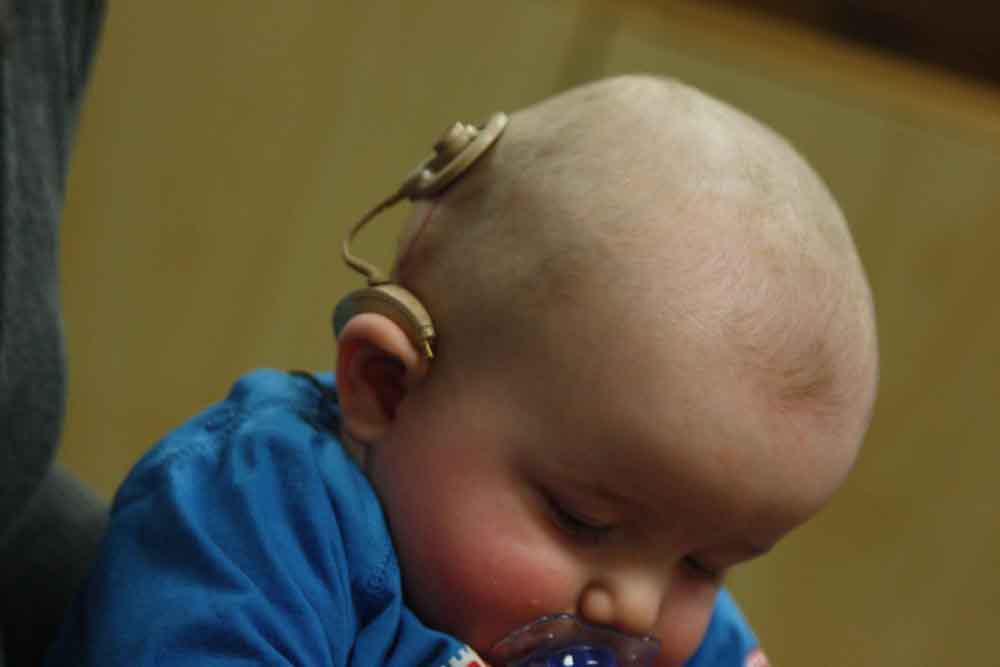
[{"x": 268, "y": 419}]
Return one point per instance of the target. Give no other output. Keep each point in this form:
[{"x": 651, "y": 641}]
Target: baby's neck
[{"x": 357, "y": 451}]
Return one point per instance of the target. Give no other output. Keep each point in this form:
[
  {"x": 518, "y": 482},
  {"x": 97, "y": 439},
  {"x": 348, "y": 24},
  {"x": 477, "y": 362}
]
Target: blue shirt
[{"x": 248, "y": 537}]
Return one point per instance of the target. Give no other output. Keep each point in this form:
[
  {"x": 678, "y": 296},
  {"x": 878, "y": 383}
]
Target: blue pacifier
[{"x": 563, "y": 640}]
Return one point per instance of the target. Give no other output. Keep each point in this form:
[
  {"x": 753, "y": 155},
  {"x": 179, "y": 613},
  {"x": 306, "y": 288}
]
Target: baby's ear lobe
[{"x": 377, "y": 365}]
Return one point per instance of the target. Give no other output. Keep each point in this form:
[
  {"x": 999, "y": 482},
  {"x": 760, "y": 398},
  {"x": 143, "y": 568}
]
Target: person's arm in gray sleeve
[{"x": 50, "y": 523}]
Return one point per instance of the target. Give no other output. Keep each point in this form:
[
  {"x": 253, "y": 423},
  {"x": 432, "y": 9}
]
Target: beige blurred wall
[{"x": 226, "y": 145}]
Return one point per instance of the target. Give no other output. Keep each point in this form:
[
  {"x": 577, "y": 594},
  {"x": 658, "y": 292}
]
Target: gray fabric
[
  {"x": 55, "y": 540},
  {"x": 47, "y": 47}
]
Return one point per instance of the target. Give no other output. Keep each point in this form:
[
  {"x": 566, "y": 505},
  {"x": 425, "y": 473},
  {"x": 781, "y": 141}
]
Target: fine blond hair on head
[{"x": 638, "y": 194}]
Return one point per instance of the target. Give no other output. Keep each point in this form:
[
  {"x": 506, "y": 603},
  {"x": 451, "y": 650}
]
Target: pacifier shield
[{"x": 563, "y": 640}]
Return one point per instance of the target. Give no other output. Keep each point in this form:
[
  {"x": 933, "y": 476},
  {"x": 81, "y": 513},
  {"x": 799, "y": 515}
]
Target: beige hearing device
[{"x": 456, "y": 151}]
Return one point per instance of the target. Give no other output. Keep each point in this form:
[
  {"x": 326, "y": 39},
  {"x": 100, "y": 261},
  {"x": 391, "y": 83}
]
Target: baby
[{"x": 655, "y": 356}]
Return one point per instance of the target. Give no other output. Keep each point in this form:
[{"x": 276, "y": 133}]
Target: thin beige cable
[{"x": 459, "y": 147}]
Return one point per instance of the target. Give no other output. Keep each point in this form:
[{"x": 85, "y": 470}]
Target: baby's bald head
[{"x": 643, "y": 201}]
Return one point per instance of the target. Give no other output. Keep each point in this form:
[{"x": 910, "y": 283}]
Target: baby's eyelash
[{"x": 575, "y": 523}]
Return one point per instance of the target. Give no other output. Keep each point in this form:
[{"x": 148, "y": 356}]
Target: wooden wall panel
[
  {"x": 223, "y": 153},
  {"x": 221, "y": 157}
]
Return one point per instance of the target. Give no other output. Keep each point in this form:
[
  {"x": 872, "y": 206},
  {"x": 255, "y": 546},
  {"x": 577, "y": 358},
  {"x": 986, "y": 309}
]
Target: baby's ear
[{"x": 377, "y": 365}]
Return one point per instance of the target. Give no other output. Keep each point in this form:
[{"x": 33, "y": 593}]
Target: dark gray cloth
[
  {"x": 54, "y": 542},
  {"x": 46, "y": 48}
]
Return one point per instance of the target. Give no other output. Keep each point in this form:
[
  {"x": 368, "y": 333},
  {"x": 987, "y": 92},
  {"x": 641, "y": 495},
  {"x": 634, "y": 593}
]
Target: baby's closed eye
[{"x": 574, "y": 521}]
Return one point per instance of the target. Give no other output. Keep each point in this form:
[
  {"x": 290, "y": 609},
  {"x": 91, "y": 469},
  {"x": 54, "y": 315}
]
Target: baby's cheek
[{"x": 492, "y": 578}]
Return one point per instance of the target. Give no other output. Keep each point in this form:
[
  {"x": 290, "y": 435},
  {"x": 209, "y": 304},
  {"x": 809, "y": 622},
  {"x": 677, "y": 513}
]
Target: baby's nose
[{"x": 630, "y": 604}]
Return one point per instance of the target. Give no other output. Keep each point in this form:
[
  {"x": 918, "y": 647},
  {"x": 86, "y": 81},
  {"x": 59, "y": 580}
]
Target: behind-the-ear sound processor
[{"x": 454, "y": 153}]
